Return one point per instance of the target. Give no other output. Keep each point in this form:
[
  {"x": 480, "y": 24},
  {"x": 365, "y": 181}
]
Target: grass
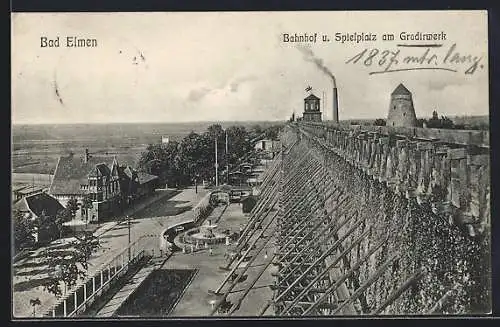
[{"x": 158, "y": 294}]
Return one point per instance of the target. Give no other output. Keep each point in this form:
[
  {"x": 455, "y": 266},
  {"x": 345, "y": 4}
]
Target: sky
[{"x": 234, "y": 66}]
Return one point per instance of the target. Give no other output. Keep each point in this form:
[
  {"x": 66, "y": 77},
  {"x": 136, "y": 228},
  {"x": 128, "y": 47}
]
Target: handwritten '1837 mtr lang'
[{"x": 427, "y": 57}]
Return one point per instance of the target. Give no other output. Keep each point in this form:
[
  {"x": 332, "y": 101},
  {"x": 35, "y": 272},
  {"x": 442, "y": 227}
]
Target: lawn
[{"x": 158, "y": 294}]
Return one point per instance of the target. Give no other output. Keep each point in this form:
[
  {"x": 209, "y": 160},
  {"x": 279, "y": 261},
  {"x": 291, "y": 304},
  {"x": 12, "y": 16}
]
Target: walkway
[{"x": 130, "y": 286}]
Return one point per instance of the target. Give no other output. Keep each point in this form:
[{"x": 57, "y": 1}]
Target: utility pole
[
  {"x": 216, "y": 165},
  {"x": 227, "y": 161},
  {"x": 323, "y": 111},
  {"x": 128, "y": 223}
]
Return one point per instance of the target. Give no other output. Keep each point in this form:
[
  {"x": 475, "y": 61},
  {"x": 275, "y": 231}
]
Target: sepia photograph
[{"x": 250, "y": 164}]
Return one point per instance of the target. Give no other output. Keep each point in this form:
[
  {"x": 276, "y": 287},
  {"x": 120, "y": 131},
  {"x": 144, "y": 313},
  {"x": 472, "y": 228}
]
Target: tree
[
  {"x": 215, "y": 130},
  {"x": 72, "y": 206},
  {"x": 446, "y": 123},
  {"x": 24, "y": 229},
  {"x": 62, "y": 216},
  {"x": 443, "y": 122},
  {"x": 86, "y": 205},
  {"x": 421, "y": 122},
  {"x": 273, "y": 131},
  {"x": 239, "y": 144},
  {"x": 72, "y": 265},
  {"x": 379, "y": 122},
  {"x": 179, "y": 163}
]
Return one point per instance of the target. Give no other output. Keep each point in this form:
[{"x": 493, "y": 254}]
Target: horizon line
[{"x": 149, "y": 122}]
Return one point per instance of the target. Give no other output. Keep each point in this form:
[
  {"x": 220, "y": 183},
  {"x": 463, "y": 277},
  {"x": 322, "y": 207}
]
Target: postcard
[{"x": 250, "y": 164}]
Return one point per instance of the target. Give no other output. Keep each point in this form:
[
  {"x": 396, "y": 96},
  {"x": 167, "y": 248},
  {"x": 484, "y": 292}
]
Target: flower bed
[{"x": 158, "y": 294}]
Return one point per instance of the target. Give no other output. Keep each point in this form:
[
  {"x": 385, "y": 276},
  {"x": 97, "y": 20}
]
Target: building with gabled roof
[
  {"x": 110, "y": 187},
  {"x": 36, "y": 205},
  {"x": 94, "y": 176}
]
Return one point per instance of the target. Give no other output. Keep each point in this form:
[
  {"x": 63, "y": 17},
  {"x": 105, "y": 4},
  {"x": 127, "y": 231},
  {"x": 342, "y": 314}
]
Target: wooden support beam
[
  {"x": 321, "y": 219},
  {"x": 315, "y": 244},
  {"x": 342, "y": 278},
  {"x": 237, "y": 304},
  {"x": 369, "y": 282},
  {"x": 320, "y": 259},
  {"x": 327, "y": 269},
  {"x": 436, "y": 308},
  {"x": 243, "y": 257},
  {"x": 267, "y": 263},
  {"x": 332, "y": 247},
  {"x": 397, "y": 293}
]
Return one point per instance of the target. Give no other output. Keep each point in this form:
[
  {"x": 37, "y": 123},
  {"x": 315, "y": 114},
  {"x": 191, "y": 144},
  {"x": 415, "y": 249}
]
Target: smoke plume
[{"x": 309, "y": 56}]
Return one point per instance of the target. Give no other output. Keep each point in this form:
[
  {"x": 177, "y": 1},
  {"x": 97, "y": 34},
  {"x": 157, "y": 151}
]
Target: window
[{"x": 404, "y": 114}]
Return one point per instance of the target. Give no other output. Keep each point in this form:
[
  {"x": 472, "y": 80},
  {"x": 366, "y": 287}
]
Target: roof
[
  {"x": 311, "y": 97},
  {"x": 100, "y": 170},
  {"x": 39, "y": 203},
  {"x": 145, "y": 178},
  {"x": 72, "y": 172},
  {"x": 126, "y": 171},
  {"x": 401, "y": 90},
  {"x": 19, "y": 188},
  {"x": 29, "y": 190}
]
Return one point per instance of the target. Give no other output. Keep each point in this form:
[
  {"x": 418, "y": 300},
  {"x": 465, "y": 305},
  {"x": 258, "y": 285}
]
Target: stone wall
[
  {"x": 417, "y": 232},
  {"x": 454, "y": 179}
]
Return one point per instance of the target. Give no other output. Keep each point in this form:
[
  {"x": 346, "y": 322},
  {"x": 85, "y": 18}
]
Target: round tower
[{"x": 401, "y": 111}]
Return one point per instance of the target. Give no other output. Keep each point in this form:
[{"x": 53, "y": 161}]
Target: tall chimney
[
  {"x": 335, "y": 103},
  {"x": 86, "y": 158}
]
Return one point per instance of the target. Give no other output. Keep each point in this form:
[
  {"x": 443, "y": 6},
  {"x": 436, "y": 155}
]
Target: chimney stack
[
  {"x": 335, "y": 102},
  {"x": 86, "y": 158}
]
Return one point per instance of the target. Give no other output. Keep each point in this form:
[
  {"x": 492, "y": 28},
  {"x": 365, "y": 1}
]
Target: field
[
  {"x": 31, "y": 179},
  {"x": 36, "y": 148}
]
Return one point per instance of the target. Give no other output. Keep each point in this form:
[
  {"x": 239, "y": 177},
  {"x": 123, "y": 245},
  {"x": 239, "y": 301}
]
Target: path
[{"x": 130, "y": 286}]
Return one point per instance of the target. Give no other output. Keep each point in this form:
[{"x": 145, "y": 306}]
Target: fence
[{"x": 85, "y": 293}]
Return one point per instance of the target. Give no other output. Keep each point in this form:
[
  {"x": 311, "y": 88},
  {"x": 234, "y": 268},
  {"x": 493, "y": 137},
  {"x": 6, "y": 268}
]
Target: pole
[
  {"x": 227, "y": 162},
  {"x": 324, "y": 100},
  {"x": 128, "y": 223},
  {"x": 216, "y": 165}
]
